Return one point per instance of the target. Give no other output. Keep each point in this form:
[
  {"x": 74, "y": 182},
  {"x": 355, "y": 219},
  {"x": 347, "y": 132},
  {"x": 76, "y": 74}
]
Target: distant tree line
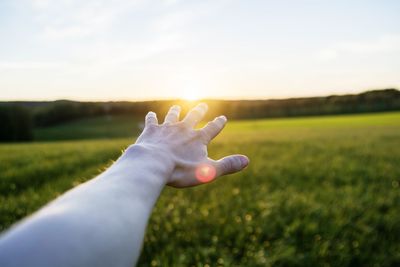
[
  {"x": 16, "y": 124},
  {"x": 371, "y": 101},
  {"x": 46, "y": 114}
]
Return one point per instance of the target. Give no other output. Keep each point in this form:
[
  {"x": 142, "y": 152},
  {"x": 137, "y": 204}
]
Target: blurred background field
[
  {"x": 107, "y": 126},
  {"x": 310, "y": 89},
  {"x": 319, "y": 191}
]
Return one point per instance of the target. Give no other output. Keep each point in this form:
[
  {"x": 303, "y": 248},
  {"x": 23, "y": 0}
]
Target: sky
[{"x": 226, "y": 49}]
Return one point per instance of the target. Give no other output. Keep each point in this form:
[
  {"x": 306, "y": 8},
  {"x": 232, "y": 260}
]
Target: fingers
[
  {"x": 173, "y": 114},
  {"x": 195, "y": 115},
  {"x": 151, "y": 119},
  {"x": 213, "y": 128},
  {"x": 231, "y": 164}
]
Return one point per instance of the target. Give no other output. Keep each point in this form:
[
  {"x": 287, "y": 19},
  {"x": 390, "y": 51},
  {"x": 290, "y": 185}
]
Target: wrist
[
  {"x": 138, "y": 174},
  {"x": 140, "y": 159}
]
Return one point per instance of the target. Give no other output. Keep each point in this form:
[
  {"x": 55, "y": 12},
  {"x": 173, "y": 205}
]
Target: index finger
[{"x": 213, "y": 128}]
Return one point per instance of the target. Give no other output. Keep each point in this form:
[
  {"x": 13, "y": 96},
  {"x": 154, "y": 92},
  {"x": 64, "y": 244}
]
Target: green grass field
[
  {"x": 90, "y": 128},
  {"x": 320, "y": 191}
]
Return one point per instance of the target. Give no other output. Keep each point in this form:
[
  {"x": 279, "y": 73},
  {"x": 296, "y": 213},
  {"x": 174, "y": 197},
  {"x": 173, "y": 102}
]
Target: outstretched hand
[
  {"x": 121, "y": 198},
  {"x": 184, "y": 149}
]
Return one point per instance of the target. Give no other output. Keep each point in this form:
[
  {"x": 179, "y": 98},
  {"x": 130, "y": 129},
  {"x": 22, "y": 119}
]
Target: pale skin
[{"x": 103, "y": 221}]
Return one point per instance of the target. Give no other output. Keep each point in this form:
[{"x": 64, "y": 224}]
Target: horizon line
[{"x": 196, "y": 100}]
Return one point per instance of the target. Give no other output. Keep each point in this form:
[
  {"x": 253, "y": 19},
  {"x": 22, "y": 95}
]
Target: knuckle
[
  {"x": 182, "y": 126},
  {"x": 173, "y": 112},
  {"x": 227, "y": 165},
  {"x": 212, "y": 129},
  {"x": 230, "y": 165},
  {"x": 237, "y": 163},
  {"x": 214, "y": 126},
  {"x": 151, "y": 128},
  {"x": 204, "y": 136},
  {"x": 175, "y": 108},
  {"x": 220, "y": 121},
  {"x": 193, "y": 135},
  {"x": 196, "y": 113}
]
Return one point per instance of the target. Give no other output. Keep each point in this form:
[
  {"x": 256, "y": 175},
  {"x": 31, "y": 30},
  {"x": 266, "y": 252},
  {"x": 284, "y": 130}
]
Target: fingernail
[
  {"x": 244, "y": 161},
  {"x": 223, "y": 117}
]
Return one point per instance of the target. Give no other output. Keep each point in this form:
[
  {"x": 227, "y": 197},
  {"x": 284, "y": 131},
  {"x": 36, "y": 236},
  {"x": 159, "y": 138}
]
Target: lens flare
[{"x": 205, "y": 173}]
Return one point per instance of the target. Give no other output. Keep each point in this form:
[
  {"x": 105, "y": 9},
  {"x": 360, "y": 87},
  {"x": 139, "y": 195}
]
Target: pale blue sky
[{"x": 145, "y": 49}]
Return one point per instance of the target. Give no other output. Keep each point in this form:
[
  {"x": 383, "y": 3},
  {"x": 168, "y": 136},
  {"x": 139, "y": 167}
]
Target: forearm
[{"x": 100, "y": 223}]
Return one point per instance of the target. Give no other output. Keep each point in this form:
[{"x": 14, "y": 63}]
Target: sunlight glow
[
  {"x": 188, "y": 50},
  {"x": 190, "y": 94}
]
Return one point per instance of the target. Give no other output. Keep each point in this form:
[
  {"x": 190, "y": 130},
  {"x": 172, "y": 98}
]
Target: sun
[{"x": 190, "y": 94}]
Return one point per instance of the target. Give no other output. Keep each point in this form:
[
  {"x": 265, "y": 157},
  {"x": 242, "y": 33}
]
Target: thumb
[{"x": 231, "y": 164}]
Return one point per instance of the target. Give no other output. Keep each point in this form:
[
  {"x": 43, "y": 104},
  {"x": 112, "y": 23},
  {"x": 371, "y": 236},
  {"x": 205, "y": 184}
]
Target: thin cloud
[
  {"x": 384, "y": 44},
  {"x": 73, "y": 19},
  {"x": 181, "y": 18},
  {"x": 114, "y": 57},
  {"x": 29, "y": 65}
]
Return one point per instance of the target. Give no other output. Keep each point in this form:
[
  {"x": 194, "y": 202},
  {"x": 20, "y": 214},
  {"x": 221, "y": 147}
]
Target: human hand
[{"x": 184, "y": 149}]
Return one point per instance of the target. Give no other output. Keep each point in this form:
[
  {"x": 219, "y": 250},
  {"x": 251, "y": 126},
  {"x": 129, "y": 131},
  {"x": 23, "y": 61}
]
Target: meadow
[{"x": 319, "y": 191}]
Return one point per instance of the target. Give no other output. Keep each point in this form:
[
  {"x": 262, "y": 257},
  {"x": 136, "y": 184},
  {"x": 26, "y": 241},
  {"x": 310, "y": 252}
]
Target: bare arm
[{"x": 102, "y": 222}]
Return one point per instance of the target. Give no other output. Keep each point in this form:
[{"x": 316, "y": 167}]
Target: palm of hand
[{"x": 185, "y": 148}]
